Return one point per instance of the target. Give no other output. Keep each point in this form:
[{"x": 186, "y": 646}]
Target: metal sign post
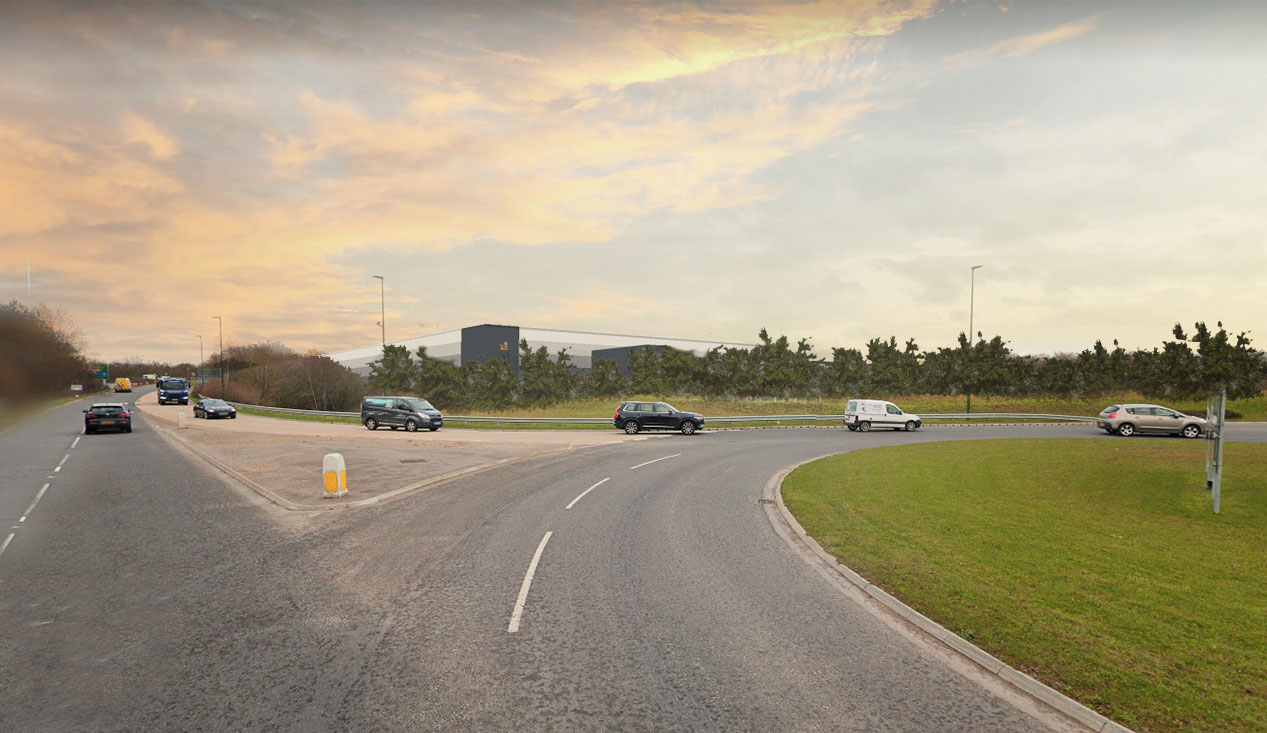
[{"x": 1216, "y": 414}]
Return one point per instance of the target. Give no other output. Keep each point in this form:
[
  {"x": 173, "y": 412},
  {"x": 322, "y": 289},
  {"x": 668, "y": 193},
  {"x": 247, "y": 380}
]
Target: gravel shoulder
[{"x": 285, "y": 456}]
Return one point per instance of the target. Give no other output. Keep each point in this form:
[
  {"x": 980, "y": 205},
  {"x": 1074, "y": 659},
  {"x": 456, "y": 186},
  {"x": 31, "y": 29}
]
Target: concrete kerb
[{"x": 778, "y": 514}]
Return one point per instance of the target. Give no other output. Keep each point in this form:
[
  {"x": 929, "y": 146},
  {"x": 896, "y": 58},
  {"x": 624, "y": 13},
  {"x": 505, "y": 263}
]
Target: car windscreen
[
  {"x": 215, "y": 403},
  {"x": 1109, "y": 409},
  {"x": 418, "y": 404},
  {"x": 174, "y": 384}
]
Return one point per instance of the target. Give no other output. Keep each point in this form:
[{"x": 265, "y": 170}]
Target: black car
[
  {"x": 409, "y": 413},
  {"x": 112, "y": 415},
  {"x": 211, "y": 407},
  {"x": 634, "y": 416}
]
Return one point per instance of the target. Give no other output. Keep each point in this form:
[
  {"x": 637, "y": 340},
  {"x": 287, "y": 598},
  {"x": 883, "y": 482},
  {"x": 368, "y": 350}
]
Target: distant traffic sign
[{"x": 103, "y": 372}]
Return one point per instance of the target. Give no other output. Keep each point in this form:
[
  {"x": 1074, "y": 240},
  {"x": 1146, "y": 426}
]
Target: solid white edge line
[
  {"x": 34, "y": 501},
  {"x": 583, "y": 493},
  {"x": 648, "y": 463},
  {"x": 7, "y": 540},
  {"x": 523, "y": 589}
]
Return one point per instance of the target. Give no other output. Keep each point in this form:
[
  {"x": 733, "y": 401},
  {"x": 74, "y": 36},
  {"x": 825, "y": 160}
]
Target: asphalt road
[{"x": 143, "y": 591}]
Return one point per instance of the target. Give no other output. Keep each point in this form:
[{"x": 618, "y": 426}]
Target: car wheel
[
  {"x": 371, "y": 423},
  {"x": 87, "y": 431},
  {"x": 1126, "y": 430},
  {"x": 688, "y": 427},
  {"x": 1191, "y": 431},
  {"x": 865, "y": 426},
  {"x": 128, "y": 429},
  {"x": 910, "y": 426},
  {"x": 852, "y": 428},
  {"x": 631, "y": 427},
  {"x": 433, "y": 429},
  {"x": 234, "y": 416},
  {"x": 411, "y": 426}
]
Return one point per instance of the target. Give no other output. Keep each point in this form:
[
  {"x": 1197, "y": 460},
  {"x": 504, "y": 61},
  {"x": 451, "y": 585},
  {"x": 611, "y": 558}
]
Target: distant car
[
  {"x": 863, "y": 415},
  {"x": 633, "y": 417},
  {"x": 113, "y": 415},
  {"x": 123, "y": 384},
  {"x": 409, "y": 413},
  {"x": 1127, "y": 420},
  {"x": 211, "y": 407}
]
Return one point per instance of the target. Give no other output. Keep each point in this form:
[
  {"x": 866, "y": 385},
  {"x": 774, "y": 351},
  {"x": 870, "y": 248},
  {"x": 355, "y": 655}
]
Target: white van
[{"x": 866, "y": 414}]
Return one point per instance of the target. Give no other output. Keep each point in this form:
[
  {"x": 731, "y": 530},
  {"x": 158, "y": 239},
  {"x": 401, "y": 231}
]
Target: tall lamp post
[
  {"x": 382, "y": 306},
  {"x": 198, "y": 371},
  {"x": 972, "y": 335},
  {"x": 221, "y": 320}
]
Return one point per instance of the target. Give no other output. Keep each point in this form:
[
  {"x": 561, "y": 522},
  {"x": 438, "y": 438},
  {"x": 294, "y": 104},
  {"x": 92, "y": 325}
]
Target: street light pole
[
  {"x": 200, "y": 357},
  {"x": 972, "y": 297},
  {"x": 382, "y": 306},
  {"x": 221, "y": 320}
]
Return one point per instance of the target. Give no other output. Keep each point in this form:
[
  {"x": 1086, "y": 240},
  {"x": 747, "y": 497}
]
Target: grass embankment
[
  {"x": 1095, "y": 566},
  {"x": 1254, "y": 408},
  {"x": 12, "y": 416}
]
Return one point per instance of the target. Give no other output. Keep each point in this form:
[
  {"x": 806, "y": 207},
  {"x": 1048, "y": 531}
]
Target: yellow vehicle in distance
[{"x": 123, "y": 384}]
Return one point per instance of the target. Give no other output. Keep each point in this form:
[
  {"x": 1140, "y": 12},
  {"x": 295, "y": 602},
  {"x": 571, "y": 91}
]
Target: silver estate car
[{"x": 1127, "y": 420}]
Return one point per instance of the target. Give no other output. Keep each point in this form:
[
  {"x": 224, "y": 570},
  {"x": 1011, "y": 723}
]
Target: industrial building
[{"x": 489, "y": 341}]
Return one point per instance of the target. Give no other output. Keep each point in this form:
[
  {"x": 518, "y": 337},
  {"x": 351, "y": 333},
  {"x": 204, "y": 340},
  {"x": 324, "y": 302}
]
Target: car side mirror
[{"x": 85, "y": 411}]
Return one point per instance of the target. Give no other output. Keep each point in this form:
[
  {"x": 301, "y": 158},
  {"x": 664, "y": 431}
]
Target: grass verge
[
  {"x": 13, "y": 416},
  {"x": 1094, "y": 566}
]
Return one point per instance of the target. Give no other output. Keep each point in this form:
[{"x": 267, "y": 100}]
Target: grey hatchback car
[
  {"x": 409, "y": 413},
  {"x": 1127, "y": 420}
]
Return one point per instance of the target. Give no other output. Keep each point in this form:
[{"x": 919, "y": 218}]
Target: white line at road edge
[
  {"x": 583, "y": 493},
  {"x": 523, "y": 589},
  {"x": 648, "y": 463},
  {"x": 34, "y": 501},
  {"x": 7, "y": 540},
  {"x": 72, "y": 445},
  {"x": 61, "y": 463}
]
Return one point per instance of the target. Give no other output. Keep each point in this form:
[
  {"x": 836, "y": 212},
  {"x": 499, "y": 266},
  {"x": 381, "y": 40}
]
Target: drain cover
[{"x": 765, "y": 501}]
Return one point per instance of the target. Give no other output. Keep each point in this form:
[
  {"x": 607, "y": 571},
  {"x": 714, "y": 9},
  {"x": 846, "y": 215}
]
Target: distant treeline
[
  {"x": 272, "y": 374},
  {"x": 40, "y": 353},
  {"x": 1188, "y": 366}
]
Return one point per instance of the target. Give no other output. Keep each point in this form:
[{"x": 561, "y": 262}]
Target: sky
[{"x": 691, "y": 170}]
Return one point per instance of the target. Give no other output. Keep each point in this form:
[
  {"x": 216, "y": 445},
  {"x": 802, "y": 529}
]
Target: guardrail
[{"x": 707, "y": 420}]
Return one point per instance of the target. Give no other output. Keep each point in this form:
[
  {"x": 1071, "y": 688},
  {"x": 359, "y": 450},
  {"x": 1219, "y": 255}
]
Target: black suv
[{"x": 634, "y": 416}]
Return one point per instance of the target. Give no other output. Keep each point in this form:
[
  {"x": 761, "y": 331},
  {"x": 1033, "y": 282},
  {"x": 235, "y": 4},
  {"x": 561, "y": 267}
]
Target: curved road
[{"x": 143, "y": 590}]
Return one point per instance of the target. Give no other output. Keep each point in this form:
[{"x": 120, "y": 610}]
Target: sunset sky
[{"x": 824, "y": 170}]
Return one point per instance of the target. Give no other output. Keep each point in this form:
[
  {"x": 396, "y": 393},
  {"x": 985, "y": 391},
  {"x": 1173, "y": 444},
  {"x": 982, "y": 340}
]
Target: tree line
[
  {"x": 275, "y": 375},
  {"x": 40, "y": 353},
  {"x": 1189, "y": 365}
]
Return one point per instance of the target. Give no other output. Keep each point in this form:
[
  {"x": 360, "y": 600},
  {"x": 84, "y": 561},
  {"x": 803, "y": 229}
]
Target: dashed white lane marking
[
  {"x": 583, "y": 493},
  {"x": 34, "y": 501},
  {"x": 61, "y": 463},
  {"x": 72, "y": 445},
  {"x": 523, "y": 589},
  {"x": 7, "y": 540},
  {"x": 648, "y": 463}
]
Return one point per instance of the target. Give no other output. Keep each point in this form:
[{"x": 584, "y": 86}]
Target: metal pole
[
  {"x": 222, "y": 388},
  {"x": 201, "y": 359},
  {"x": 1217, "y": 487},
  {"x": 972, "y": 299}
]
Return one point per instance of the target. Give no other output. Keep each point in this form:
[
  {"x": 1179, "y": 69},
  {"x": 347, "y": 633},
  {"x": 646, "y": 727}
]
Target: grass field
[
  {"x": 1250, "y": 409},
  {"x": 12, "y": 416},
  {"x": 1095, "y": 566}
]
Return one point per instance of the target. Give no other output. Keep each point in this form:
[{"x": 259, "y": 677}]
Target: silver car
[{"x": 1127, "y": 420}]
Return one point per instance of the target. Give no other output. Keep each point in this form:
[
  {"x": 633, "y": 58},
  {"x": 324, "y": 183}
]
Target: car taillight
[
  {"x": 90, "y": 414},
  {"x": 1112, "y": 415},
  {"x": 616, "y": 414},
  {"x": 126, "y": 414}
]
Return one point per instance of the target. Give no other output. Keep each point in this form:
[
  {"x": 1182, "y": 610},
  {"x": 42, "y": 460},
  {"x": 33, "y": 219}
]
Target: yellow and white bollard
[{"x": 336, "y": 474}]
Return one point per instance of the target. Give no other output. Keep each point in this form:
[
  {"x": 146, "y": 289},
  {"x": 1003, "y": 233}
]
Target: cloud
[{"x": 1024, "y": 45}]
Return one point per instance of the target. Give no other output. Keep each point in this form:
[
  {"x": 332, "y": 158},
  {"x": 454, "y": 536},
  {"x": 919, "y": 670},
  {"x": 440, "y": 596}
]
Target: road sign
[{"x": 103, "y": 372}]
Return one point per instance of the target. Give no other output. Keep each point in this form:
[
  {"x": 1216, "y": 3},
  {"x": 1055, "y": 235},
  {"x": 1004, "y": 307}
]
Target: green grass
[
  {"x": 1254, "y": 408},
  {"x": 1096, "y": 566},
  {"x": 12, "y": 416}
]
